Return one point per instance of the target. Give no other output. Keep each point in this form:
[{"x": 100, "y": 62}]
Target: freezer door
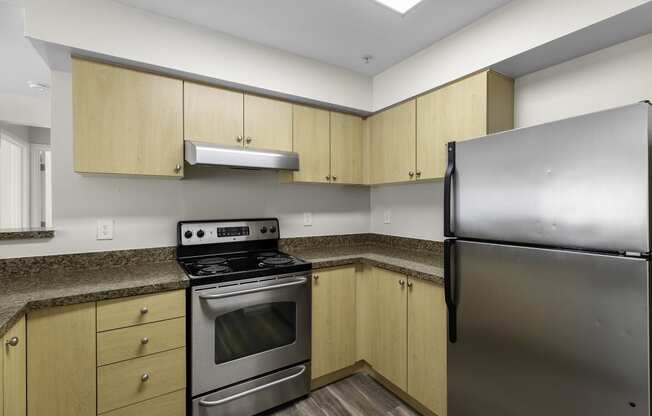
[
  {"x": 548, "y": 332},
  {"x": 580, "y": 182}
]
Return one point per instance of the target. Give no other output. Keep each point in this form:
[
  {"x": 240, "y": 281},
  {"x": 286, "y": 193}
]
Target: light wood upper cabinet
[
  {"x": 213, "y": 115},
  {"x": 333, "y": 320},
  {"x": 126, "y": 121},
  {"x": 13, "y": 369},
  {"x": 267, "y": 123},
  {"x": 393, "y": 144},
  {"x": 312, "y": 143},
  {"x": 61, "y": 361},
  {"x": 426, "y": 359},
  {"x": 474, "y": 106},
  {"x": 346, "y": 148}
]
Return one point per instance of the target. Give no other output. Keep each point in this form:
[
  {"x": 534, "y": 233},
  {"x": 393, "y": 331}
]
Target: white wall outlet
[
  {"x": 387, "y": 217},
  {"x": 105, "y": 229},
  {"x": 307, "y": 219}
]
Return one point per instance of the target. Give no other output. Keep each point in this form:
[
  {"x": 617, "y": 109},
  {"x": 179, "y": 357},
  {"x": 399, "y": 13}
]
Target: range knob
[
  {"x": 263, "y": 229},
  {"x": 188, "y": 234},
  {"x": 200, "y": 233},
  {"x": 272, "y": 229}
]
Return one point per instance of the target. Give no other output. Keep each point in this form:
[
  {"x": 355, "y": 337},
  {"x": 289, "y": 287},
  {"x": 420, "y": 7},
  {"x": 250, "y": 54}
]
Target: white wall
[
  {"x": 508, "y": 31},
  {"x": 146, "y": 209},
  {"x": 110, "y": 28},
  {"x": 619, "y": 75},
  {"x": 25, "y": 110},
  {"x": 612, "y": 77}
]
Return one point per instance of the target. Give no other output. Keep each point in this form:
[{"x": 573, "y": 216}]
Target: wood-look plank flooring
[{"x": 358, "y": 395}]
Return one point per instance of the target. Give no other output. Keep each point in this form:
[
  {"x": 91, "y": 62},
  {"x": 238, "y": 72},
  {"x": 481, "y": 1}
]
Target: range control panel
[{"x": 212, "y": 232}]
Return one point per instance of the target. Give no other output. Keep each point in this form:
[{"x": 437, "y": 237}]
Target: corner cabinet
[
  {"x": 475, "y": 106},
  {"x": 126, "y": 121},
  {"x": 13, "y": 371}
]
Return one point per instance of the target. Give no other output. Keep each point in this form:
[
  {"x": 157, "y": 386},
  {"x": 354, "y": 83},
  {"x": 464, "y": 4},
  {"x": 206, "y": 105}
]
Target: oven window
[{"x": 254, "y": 329}]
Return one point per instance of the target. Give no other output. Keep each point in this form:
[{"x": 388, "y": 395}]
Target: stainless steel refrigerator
[{"x": 547, "y": 268}]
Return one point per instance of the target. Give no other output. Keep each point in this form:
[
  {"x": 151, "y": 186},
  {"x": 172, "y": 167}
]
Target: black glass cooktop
[{"x": 241, "y": 265}]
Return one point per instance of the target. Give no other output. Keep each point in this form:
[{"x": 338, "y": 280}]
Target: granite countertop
[
  {"x": 414, "y": 263},
  {"x": 20, "y": 294},
  {"x": 27, "y": 233}
]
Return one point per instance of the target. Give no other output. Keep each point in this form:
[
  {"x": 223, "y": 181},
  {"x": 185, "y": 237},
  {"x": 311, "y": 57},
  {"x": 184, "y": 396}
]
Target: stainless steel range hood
[{"x": 209, "y": 154}]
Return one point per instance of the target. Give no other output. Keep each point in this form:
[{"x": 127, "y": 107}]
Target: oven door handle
[
  {"x": 204, "y": 403},
  {"x": 301, "y": 281}
]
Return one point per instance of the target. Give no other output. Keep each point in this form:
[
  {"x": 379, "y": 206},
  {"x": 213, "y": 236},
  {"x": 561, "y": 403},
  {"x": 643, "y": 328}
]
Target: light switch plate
[
  {"x": 105, "y": 229},
  {"x": 387, "y": 217},
  {"x": 307, "y": 219}
]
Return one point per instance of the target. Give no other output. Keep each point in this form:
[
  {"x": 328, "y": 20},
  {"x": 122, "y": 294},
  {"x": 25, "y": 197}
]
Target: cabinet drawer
[
  {"x": 137, "y": 341},
  {"x": 173, "y": 404},
  {"x": 124, "y": 312},
  {"x": 136, "y": 380}
]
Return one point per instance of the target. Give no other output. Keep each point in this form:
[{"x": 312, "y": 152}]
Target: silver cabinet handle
[
  {"x": 410, "y": 284},
  {"x": 12, "y": 342},
  {"x": 238, "y": 139},
  {"x": 300, "y": 281},
  {"x": 204, "y": 403},
  {"x": 144, "y": 341},
  {"x": 411, "y": 174},
  {"x": 401, "y": 282},
  {"x": 144, "y": 377},
  {"x": 177, "y": 168},
  {"x": 316, "y": 277},
  {"x": 144, "y": 310},
  {"x": 418, "y": 173},
  {"x": 328, "y": 177},
  {"x": 248, "y": 140},
  {"x": 334, "y": 177}
]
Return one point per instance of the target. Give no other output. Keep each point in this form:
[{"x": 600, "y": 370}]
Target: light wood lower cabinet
[
  {"x": 13, "y": 368},
  {"x": 126, "y": 121},
  {"x": 426, "y": 358},
  {"x": 333, "y": 320},
  {"x": 135, "y": 366},
  {"x": 61, "y": 361}
]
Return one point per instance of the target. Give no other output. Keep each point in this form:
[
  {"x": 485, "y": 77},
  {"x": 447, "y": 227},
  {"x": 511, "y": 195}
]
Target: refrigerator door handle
[
  {"x": 449, "y": 253},
  {"x": 450, "y": 171}
]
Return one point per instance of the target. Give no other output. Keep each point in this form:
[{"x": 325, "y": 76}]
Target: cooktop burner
[{"x": 277, "y": 260}]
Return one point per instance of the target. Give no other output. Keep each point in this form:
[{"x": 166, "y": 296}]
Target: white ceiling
[
  {"x": 19, "y": 60},
  {"x": 337, "y": 32}
]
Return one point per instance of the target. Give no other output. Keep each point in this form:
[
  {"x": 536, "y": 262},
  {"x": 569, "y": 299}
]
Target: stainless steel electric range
[{"x": 249, "y": 317}]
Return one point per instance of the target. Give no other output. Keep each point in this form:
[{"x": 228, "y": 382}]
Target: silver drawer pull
[
  {"x": 204, "y": 403},
  {"x": 12, "y": 342},
  {"x": 144, "y": 341},
  {"x": 300, "y": 281},
  {"x": 144, "y": 377},
  {"x": 144, "y": 310}
]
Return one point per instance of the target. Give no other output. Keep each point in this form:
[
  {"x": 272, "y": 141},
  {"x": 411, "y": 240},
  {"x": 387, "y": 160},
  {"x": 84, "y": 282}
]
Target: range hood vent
[{"x": 209, "y": 154}]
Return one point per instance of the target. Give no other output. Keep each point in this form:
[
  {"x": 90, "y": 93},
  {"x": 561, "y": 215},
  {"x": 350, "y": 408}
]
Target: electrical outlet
[
  {"x": 307, "y": 219},
  {"x": 387, "y": 217},
  {"x": 105, "y": 229}
]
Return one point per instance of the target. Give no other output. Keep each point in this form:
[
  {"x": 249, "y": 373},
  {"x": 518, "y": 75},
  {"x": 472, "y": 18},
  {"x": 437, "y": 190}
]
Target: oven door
[{"x": 248, "y": 328}]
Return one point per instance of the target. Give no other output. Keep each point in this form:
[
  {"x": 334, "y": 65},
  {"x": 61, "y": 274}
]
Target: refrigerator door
[
  {"x": 548, "y": 332},
  {"x": 581, "y": 182}
]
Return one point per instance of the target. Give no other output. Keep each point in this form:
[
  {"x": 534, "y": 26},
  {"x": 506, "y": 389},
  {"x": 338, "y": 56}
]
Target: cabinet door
[
  {"x": 427, "y": 345},
  {"x": 213, "y": 115},
  {"x": 312, "y": 143},
  {"x": 126, "y": 121},
  {"x": 14, "y": 373},
  {"x": 346, "y": 148},
  {"x": 455, "y": 112},
  {"x": 365, "y": 305},
  {"x": 390, "y": 346},
  {"x": 61, "y": 361},
  {"x": 267, "y": 123},
  {"x": 393, "y": 144},
  {"x": 333, "y": 320}
]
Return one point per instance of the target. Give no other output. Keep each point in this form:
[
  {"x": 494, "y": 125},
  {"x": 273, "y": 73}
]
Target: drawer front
[
  {"x": 124, "y": 312},
  {"x": 136, "y": 380},
  {"x": 173, "y": 404},
  {"x": 138, "y": 341}
]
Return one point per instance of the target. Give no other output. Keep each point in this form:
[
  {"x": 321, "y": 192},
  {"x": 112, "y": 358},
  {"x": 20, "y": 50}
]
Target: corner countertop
[
  {"x": 413, "y": 263},
  {"x": 20, "y": 294}
]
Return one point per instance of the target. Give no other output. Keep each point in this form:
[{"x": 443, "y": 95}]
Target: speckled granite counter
[
  {"x": 57, "y": 286},
  {"x": 416, "y": 258}
]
